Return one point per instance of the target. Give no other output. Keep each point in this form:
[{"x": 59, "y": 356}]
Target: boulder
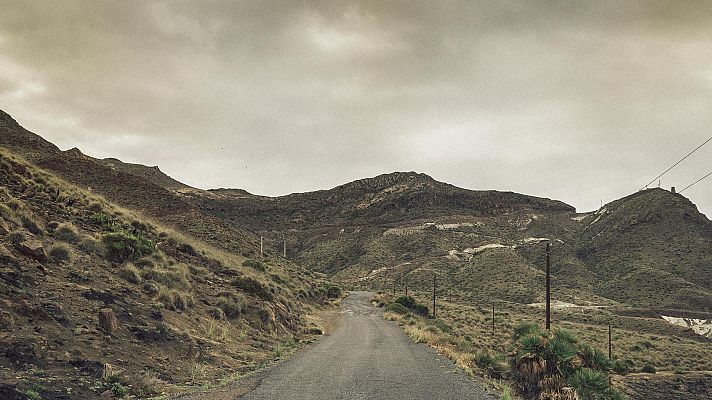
[
  {"x": 33, "y": 249},
  {"x": 108, "y": 321}
]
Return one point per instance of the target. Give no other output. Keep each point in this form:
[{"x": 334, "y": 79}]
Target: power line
[
  {"x": 695, "y": 182},
  {"x": 674, "y": 165}
]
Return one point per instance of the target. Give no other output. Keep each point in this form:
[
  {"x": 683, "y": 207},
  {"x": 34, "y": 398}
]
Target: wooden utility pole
[
  {"x": 284, "y": 249},
  {"x": 433, "y": 295},
  {"x": 394, "y": 287},
  {"x": 262, "y": 254},
  {"x": 548, "y": 288},
  {"x": 610, "y": 345},
  {"x": 406, "y": 288},
  {"x": 610, "y": 351},
  {"x": 492, "y": 319}
]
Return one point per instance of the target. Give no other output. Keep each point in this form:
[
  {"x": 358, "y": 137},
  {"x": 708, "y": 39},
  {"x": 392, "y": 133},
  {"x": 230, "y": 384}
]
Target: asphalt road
[{"x": 366, "y": 357}]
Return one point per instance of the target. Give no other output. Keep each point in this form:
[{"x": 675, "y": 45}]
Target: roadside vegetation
[{"x": 508, "y": 358}]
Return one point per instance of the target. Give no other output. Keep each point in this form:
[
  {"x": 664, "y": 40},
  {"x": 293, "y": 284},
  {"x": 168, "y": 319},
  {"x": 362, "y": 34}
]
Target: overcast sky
[{"x": 581, "y": 101}]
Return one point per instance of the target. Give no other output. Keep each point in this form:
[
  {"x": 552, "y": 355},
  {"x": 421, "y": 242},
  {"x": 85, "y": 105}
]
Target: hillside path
[{"x": 366, "y": 357}]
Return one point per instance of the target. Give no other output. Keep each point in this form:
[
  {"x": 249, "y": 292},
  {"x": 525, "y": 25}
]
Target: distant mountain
[{"x": 650, "y": 249}]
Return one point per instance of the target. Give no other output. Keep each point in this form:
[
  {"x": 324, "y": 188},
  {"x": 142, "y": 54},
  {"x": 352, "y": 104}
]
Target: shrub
[
  {"x": 171, "y": 279},
  {"x": 406, "y": 301},
  {"x": 253, "y": 287},
  {"x": 51, "y": 226},
  {"x": 410, "y": 303},
  {"x": 254, "y": 264},
  {"x": 122, "y": 246},
  {"x": 90, "y": 245},
  {"x": 544, "y": 362},
  {"x": 397, "y": 308},
  {"x": 30, "y": 224},
  {"x": 187, "y": 249},
  {"x": 588, "y": 383},
  {"x": 175, "y": 300},
  {"x": 66, "y": 232},
  {"x": 623, "y": 367},
  {"x": 333, "y": 292},
  {"x": 230, "y": 306},
  {"x": 60, "y": 253},
  {"x": 441, "y": 325},
  {"x": 17, "y": 237},
  {"x": 130, "y": 273},
  {"x": 495, "y": 367},
  {"x": 649, "y": 369}
]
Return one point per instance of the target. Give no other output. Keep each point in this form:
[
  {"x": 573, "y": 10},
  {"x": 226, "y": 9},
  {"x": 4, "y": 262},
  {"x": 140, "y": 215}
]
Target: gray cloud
[{"x": 579, "y": 101}]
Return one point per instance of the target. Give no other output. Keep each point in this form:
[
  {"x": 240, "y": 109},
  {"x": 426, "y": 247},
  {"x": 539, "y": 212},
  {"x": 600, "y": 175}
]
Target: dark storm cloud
[{"x": 580, "y": 101}]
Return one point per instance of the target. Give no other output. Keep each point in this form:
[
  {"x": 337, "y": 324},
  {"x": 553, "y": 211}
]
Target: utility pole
[
  {"x": 433, "y": 295},
  {"x": 610, "y": 351},
  {"x": 610, "y": 345},
  {"x": 284, "y": 249},
  {"x": 548, "y": 288},
  {"x": 492, "y": 319},
  {"x": 394, "y": 287},
  {"x": 406, "y": 287},
  {"x": 262, "y": 254}
]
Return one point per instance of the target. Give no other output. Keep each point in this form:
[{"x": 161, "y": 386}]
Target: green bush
[
  {"x": 544, "y": 362},
  {"x": 252, "y": 286},
  {"x": 123, "y": 246},
  {"x": 66, "y": 232},
  {"x": 495, "y": 367},
  {"x": 410, "y": 303},
  {"x": 589, "y": 383},
  {"x": 60, "y": 253},
  {"x": 406, "y": 301},
  {"x": 397, "y": 308},
  {"x": 333, "y": 291},
  {"x": 254, "y": 264},
  {"x": 623, "y": 367},
  {"x": 649, "y": 369}
]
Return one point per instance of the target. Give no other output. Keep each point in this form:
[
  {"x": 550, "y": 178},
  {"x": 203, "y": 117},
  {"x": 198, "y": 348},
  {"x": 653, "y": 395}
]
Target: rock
[
  {"x": 108, "y": 321},
  {"x": 6, "y": 255},
  {"x": 33, "y": 249}
]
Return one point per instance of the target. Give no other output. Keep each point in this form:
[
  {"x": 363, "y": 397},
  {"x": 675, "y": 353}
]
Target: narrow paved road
[{"x": 366, "y": 357}]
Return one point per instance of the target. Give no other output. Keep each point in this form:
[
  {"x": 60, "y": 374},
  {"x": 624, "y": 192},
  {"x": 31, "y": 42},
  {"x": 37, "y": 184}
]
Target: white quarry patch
[
  {"x": 412, "y": 230},
  {"x": 579, "y": 218},
  {"x": 532, "y": 240},
  {"x": 559, "y": 305},
  {"x": 379, "y": 271},
  {"x": 480, "y": 249},
  {"x": 701, "y": 327},
  {"x": 600, "y": 214}
]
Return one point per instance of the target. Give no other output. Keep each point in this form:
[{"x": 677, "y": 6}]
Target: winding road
[{"x": 366, "y": 357}]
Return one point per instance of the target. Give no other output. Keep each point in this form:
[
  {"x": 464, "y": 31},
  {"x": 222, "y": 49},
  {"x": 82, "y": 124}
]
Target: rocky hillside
[
  {"x": 650, "y": 249},
  {"x": 97, "y": 296}
]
